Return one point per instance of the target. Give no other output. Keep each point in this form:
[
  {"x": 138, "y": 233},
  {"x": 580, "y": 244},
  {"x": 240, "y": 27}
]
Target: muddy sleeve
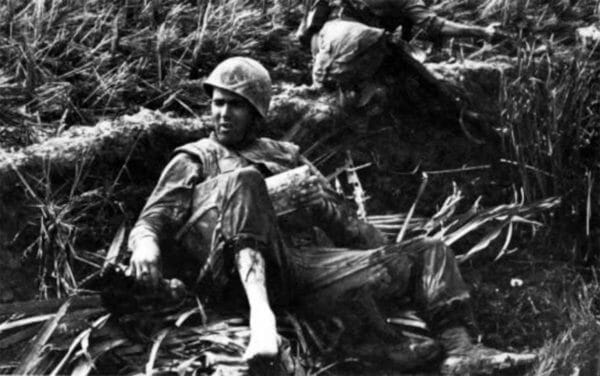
[
  {"x": 170, "y": 203},
  {"x": 420, "y": 15},
  {"x": 334, "y": 215}
]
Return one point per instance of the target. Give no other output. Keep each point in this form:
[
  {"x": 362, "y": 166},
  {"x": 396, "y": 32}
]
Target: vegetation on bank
[{"x": 73, "y": 63}]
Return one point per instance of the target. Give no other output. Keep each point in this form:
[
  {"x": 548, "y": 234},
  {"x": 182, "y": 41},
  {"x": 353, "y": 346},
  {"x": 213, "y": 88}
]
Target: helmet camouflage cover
[
  {"x": 347, "y": 52},
  {"x": 245, "y": 77}
]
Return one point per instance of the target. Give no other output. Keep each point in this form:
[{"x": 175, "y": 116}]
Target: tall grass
[
  {"x": 551, "y": 115},
  {"x": 574, "y": 352},
  {"x": 534, "y": 13},
  {"x": 66, "y": 219},
  {"x": 80, "y": 61},
  {"x": 61, "y": 210}
]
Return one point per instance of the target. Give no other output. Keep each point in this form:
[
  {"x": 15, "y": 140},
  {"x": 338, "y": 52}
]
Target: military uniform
[
  {"x": 213, "y": 201},
  {"x": 390, "y": 14},
  {"x": 351, "y": 40},
  {"x": 384, "y": 14}
]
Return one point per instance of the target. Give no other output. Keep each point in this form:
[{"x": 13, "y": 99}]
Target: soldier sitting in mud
[{"x": 212, "y": 199}]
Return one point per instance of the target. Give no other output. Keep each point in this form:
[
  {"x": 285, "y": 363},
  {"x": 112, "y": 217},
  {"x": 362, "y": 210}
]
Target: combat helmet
[
  {"x": 245, "y": 77},
  {"x": 348, "y": 52}
]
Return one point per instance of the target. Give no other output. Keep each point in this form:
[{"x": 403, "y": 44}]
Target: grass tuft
[
  {"x": 574, "y": 351},
  {"x": 551, "y": 116}
]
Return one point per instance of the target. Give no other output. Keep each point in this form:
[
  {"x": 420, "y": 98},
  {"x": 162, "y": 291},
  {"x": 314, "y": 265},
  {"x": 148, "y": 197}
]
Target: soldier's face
[{"x": 232, "y": 115}]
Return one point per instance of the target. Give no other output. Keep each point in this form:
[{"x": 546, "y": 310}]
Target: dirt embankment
[{"x": 46, "y": 188}]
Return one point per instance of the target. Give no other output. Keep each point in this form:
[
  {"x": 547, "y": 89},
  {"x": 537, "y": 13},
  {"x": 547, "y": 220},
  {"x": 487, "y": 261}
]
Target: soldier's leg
[
  {"x": 230, "y": 212},
  {"x": 440, "y": 292},
  {"x": 234, "y": 212},
  {"x": 351, "y": 283},
  {"x": 424, "y": 271},
  {"x": 444, "y": 301}
]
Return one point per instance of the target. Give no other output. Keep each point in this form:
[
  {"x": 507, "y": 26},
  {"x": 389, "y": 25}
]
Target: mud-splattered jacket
[
  {"x": 389, "y": 14},
  {"x": 170, "y": 204},
  {"x": 215, "y": 199},
  {"x": 386, "y": 14}
]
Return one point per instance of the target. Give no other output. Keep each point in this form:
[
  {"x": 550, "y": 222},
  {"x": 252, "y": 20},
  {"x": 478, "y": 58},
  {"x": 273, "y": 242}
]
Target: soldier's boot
[
  {"x": 406, "y": 355},
  {"x": 463, "y": 357},
  {"x": 414, "y": 354}
]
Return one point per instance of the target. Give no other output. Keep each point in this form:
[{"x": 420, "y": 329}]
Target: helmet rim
[{"x": 245, "y": 77}]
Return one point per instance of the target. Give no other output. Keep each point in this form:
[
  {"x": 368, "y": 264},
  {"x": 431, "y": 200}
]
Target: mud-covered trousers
[{"x": 233, "y": 211}]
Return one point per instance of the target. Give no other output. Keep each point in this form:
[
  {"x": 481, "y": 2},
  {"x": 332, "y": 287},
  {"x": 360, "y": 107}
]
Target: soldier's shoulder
[
  {"x": 200, "y": 146},
  {"x": 286, "y": 146}
]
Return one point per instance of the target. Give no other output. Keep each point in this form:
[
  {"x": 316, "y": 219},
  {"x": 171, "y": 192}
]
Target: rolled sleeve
[
  {"x": 170, "y": 203},
  {"x": 420, "y": 15},
  {"x": 338, "y": 219}
]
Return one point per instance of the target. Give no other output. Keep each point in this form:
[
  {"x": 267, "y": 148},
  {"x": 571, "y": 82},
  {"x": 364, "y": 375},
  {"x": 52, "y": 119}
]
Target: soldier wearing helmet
[
  {"x": 357, "y": 41},
  {"x": 211, "y": 202},
  {"x": 376, "y": 73},
  {"x": 389, "y": 15},
  {"x": 243, "y": 87}
]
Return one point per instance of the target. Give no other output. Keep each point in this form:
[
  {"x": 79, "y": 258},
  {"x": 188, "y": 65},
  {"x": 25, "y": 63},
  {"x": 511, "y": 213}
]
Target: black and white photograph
[{"x": 300, "y": 187}]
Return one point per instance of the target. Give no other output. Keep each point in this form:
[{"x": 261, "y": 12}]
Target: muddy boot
[
  {"x": 414, "y": 354},
  {"x": 463, "y": 357},
  {"x": 407, "y": 355}
]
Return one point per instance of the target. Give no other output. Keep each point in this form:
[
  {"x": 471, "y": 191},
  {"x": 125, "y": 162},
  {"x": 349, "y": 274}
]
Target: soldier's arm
[
  {"x": 330, "y": 212},
  {"x": 455, "y": 29},
  {"x": 165, "y": 211},
  {"x": 316, "y": 15},
  {"x": 435, "y": 26}
]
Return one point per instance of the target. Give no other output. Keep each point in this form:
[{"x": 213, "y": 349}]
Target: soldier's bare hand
[
  {"x": 145, "y": 263},
  {"x": 309, "y": 192}
]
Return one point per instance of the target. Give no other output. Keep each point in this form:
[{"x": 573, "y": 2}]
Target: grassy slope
[{"x": 550, "y": 112}]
